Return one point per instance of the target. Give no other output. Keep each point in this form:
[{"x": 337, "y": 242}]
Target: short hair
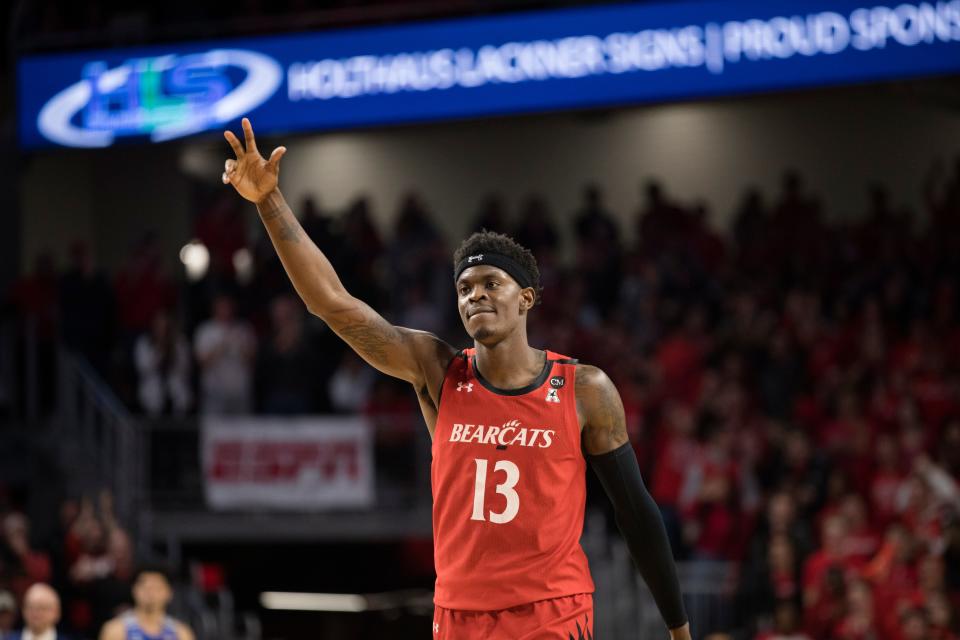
[
  {"x": 153, "y": 567},
  {"x": 492, "y": 242}
]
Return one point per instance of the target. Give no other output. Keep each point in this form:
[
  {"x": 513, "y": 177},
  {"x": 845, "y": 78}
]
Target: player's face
[
  {"x": 491, "y": 303},
  {"x": 151, "y": 591}
]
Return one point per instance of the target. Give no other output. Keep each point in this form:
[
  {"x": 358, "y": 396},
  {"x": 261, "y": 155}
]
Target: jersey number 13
[{"x": 505, "y": 489}]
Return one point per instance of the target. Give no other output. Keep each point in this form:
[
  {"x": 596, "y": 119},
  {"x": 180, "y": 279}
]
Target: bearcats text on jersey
[{"x": 511, "y": 433}]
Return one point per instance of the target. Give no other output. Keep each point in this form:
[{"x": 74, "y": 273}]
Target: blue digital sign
[{"x": 515, "y": 63}]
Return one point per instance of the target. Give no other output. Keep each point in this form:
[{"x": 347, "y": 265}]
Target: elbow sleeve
[{"x": 642, "y": 527}]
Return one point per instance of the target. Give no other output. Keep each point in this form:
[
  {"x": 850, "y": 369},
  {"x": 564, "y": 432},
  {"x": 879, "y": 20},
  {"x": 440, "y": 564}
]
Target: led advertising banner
[{"x": 513, "y": 63}]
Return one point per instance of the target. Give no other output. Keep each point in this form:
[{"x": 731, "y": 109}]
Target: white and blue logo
[
  {"x": 547, "y": 60},
  {"x": 164, "y": 97}
]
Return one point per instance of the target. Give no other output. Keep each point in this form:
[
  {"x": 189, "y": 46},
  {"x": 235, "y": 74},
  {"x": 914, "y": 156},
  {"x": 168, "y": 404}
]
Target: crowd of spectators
[
  {"x": 87, "y": 561},
  {"x": 791, "y": 384}
]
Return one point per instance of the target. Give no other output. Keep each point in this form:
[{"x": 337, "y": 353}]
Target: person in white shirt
[
  {"x": 41, "y": 613},
  {"x": 351, "y": 384},
  {"x": 225, "y": 348},
  {"x": 163, "y": 361}
]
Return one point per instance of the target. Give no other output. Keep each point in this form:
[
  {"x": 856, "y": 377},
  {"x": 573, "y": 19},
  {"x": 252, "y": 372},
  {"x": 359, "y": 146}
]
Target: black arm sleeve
[{"x": 642, "y": 527}]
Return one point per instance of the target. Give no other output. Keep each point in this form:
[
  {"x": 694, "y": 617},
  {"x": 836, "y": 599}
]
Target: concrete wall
[{"x": 106, "y": 198}]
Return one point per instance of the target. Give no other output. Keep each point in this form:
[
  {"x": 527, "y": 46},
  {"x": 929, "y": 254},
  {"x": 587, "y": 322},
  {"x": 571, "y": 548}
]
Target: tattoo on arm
[
  {"x": 273, "y": 211},
  {"x": 369, "y": 339},
  {"x": 605, "y": 426},
  {"x": 289, "y": 228},
  {"x": 396, "y": 351},
  {"x": 617, "y": 434}
]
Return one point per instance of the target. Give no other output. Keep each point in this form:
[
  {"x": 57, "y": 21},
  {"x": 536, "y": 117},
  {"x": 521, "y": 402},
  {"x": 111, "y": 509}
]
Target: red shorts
[{"x": 566, "y": 618}]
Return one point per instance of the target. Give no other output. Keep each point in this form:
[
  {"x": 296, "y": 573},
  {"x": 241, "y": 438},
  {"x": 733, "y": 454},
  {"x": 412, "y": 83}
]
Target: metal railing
[
  {"x": 104, "y": 446},
  {"x": 623, "y": 605},
  {"x": 101, "y": 440}
]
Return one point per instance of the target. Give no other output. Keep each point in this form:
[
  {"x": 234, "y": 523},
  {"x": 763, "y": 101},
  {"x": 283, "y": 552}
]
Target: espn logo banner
[{"x": 303, "y": 464}]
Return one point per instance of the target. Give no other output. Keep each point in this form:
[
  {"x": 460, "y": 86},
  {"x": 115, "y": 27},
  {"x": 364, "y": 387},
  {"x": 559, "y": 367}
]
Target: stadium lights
[
  {"x": 196, "y": 259},
  {"x": 287, "y": 601}
]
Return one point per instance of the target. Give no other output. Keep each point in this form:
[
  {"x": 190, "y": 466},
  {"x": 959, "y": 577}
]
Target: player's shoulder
[
  {"x": 591, "y": 379},
  {"x": 114, "y": 629},
  {"x": 116, "y": 623},
  {"x": 429, "y": 346},
  {"x": 183, "y": 631},
  {"x": 596, "y": 394}
]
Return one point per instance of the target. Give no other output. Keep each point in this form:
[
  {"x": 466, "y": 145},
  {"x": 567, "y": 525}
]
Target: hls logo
[{"x": 164, "y": 97}]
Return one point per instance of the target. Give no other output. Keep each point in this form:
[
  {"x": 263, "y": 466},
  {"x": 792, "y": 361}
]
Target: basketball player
[
  {"x": 148, "y": 620},
  {"x": 511, "y": 426}
]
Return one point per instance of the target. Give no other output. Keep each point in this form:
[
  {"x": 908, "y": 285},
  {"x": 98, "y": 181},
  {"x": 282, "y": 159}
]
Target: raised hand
[{"x": 253, "y": 177}]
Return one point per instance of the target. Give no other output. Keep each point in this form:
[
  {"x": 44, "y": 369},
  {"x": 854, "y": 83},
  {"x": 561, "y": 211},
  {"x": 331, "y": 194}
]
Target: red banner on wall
[{"x": 306, "y": 464}]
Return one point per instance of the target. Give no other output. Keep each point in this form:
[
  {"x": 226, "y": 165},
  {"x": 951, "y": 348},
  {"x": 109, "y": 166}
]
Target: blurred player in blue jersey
[{"x": 148, "y": 620}]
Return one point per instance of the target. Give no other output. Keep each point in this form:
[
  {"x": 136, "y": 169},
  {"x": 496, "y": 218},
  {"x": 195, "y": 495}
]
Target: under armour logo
[
  {"x": 476, "y": 258},
  {"x": 468, "y": 386},
  {"x": 436, "y": 628}
]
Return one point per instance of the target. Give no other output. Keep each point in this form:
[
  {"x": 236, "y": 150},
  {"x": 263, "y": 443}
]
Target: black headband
[{"x": 511, "y": 266}]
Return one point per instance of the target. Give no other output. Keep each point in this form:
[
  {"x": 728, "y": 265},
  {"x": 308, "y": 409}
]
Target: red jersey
[{"x": 509, "y": 489}]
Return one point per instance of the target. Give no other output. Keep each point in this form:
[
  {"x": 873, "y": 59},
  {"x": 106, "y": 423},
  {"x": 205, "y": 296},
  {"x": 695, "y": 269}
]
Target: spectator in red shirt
[
  {"x": 823, "y": 615},
  {"x": 20, "y": 564},
  {"x": 679, "y": 358},
  {"x": 914, "y": 625},
  {"x": 832, "y": 555},
  {"x": 943, "y": 617},
  {"x": 893, "y": 574},
  {"x": 862, "y": 539},
  {"x": 858, "y": 623},
  {"x": 849, "y": 438},
  {"x": 710, "y": 499}
]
